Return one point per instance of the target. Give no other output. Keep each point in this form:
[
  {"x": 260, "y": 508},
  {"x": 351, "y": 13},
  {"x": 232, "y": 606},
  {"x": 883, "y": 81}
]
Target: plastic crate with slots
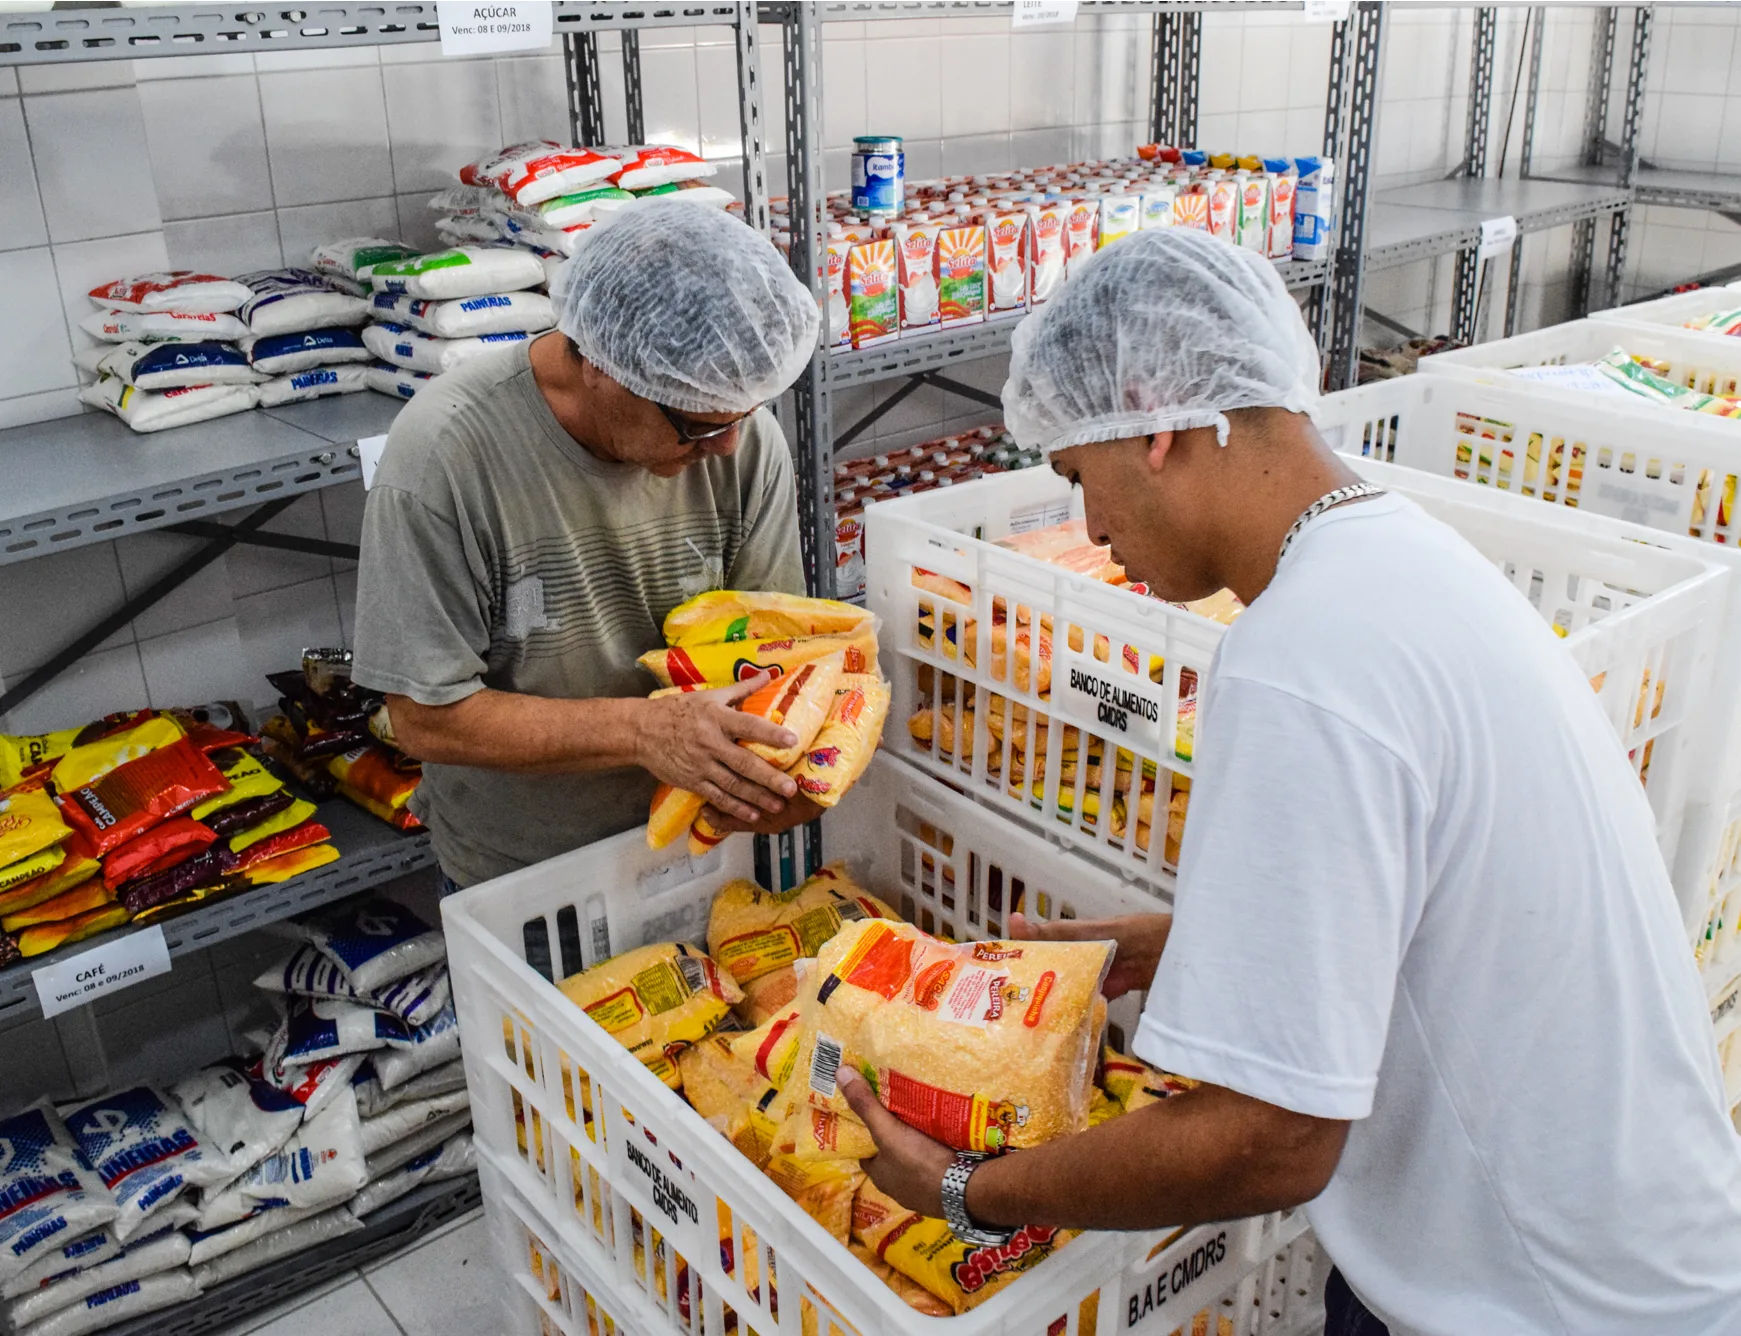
[
  {"x": 989, "y": 650},
  {"x": 1705, "y": 362},
  {"x": 1678, "y": 308},
  {"x": 1642, "y": 477},
  {"x": 621, "y": 1179}
]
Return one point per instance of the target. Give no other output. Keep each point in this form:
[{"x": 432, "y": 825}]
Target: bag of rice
[
  {"x": 374, "y": 1099},
  {"x": 466, "y": 229},
  {"x": 401, "y": 1153},
  {"x": 314, "y": 383},
  {"x": 282, "y": 354},
  {"x": 163, "y": 326},
  {"x": 63, "y": 1260},
  {"x": 655, "y": 1000},
  {"x": 296, "y": 1237},
  {"x": 693, "y": 192},
  {"x": 397, "y": 381},
  {"x": 146, "y": 411},
  {"x": 318, "y": 1028},
  {"x": 464, "y": 271},
  {"x": 463, "y": 317},
  {"x": 410, "y": 1118},
  {"x": 405, "y": 348},
  {"x": 348, "y": 258},
  {"x": 241, "y": 1117},
  {"x": 645, "y": 165},
  {"x": 318, "y": 1167},
  {"x": 175, "y": 290},
  {"x": 985, "y": 1046},
  {"x": 314, "y": 1086},
  {"x": 145, "y": 1153},
  {"x": 288, "y": 301},
  {"x": 453, "y": 1158},
  {"x": 170, "y": 366},
  {"x": 583, "y": 206},
  {"x": 51, "y": 1193}
]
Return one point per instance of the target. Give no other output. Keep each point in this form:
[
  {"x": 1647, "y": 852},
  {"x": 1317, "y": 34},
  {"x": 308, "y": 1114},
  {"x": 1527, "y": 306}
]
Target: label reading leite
[
  {"x": 1030, "y": 13},
  {"x": 83, "y": 978},
  {"x": 1102, "y": 698}
]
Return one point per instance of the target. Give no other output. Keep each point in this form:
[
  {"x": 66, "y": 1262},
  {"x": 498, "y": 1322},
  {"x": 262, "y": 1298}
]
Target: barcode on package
[
  {"x": 694, "y": 972},
  {"x": 825, "y": 1066}
]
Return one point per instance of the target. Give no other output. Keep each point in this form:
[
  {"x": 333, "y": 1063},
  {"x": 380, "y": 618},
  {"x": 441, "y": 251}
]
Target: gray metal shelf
[
  {"x": 371, "y": 853},
  {"x": 1442, "y": 217},
  {"x": 41, "y": 37},
  {"x": 91, "y": 478},
  {"x": 836, "y": 11},
  {"x": 1719, "y": 191}
]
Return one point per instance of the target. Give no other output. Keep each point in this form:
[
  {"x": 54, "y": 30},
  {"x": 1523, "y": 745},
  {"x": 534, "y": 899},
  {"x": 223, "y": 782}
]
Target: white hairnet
[
  {"x": 684, "y": 305},
  {"x": 1166, "y": 330}
]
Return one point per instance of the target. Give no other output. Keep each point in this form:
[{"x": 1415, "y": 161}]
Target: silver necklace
[{"x": 1329, "y": 501}]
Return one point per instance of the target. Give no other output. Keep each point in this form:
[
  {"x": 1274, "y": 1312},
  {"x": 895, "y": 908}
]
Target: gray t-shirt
[{"x": 499, "y": 552}]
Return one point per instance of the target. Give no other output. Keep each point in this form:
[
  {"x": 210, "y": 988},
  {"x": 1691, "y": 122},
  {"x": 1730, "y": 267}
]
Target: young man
[
  {"x": 1424, "y": 954},
  {"x": 537, "y": 513}
]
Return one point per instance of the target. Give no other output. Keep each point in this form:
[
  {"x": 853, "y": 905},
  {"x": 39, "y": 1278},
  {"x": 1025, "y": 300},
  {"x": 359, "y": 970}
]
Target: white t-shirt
[{"x": 1420, "y": 890}]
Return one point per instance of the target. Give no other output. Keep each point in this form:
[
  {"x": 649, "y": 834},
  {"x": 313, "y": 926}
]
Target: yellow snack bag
[
  {"x": 81, "y": 765},
  {"x": 248, "y": 779},
  {"x": 840, "y": 752},
  {"x": 753, "y": 932},
  {"x": 29, "y": 823},
  {"x": 22, "y": 753},
  {"x": 824, "y": 1189},
  {"x": 655, "y": 1000},
  {"x": 27, "y": 869},
  {"x": 47, "y": 936},
  {"x": 927, "y": 1252},
  {"x": 722, "y": 665},
  {"x": 293, "y": 815},
  {"x": 728, "y": 616},
  {"x": 73, "y": 870},
  {"x": 985, "y": 1046}
]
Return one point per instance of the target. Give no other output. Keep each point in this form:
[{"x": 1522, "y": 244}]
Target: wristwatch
[{"x": 955, "y": 1204}]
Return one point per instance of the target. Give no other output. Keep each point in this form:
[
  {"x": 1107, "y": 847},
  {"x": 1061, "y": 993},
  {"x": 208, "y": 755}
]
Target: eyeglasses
[{"x": 690, "y": 432}]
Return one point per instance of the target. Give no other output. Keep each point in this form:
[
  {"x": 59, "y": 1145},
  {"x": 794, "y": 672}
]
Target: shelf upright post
[
  {"x": 586, "y": 121},
  {"x": 1319, "y": 307},
  {"x": 801, "y": 43},
  {"x": 1175, "y": 67},
  {"x": 1365, "y": 33},
  {"x": 1620, "y": 226},
  {"x": 749, "y": 55},
  {"x": 1595, "y": 131},
  {"x": 1538, "y": 17},
  {"x": 1466, "y": 289},
  {"x": 635, "y": 120}
]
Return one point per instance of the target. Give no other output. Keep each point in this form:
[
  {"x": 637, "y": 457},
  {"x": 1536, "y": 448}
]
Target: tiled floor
[{"x": 445, "y": 1286}]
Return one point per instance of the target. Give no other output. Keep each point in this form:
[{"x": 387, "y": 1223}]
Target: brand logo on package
[
  {"x": 1157, "y": 1297},
  {"x": 1101, "y": 697},
  {"x": 677, "y": 1204}
]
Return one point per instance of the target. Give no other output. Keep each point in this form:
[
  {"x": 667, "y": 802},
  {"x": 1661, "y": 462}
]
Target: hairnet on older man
[
  {"x": 1167, "y": 330},
  {"x": 683, "y": 304}
]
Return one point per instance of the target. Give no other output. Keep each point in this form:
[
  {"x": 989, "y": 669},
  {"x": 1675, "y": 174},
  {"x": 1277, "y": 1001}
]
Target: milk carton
[
  {"x": 961, "y": 275},
  {"x": 839, "y": 332},
  {"x": 1191, "y": 206},
  {"x": 1120, "y": 215},
  {"x": 916, "y": 256},
  {"x": 873, "y": 297},
  {"x": 1006, "y": 257},
  {"x": 1157, "y": 203},
  {"x": 1251, "y": 222},
  {"x": 1279, "y": 241},
  {"x": 1079, "y": 230},
  {"x": 1046, "y": 223},
  {"x": 1314, "y": 215},
  {"x": 1224, "y": 208}
]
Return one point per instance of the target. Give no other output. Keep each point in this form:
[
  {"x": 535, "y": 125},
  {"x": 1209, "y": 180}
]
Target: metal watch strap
[{"x": 955, "y": 1205}]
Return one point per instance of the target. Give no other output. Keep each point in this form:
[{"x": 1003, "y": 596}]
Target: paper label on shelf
[
  {"x": 369, "y": 456},
  {"x": 469, "y": 29},
  {"x": 82, "y": 979},
  {"x": 1031, "y": 13},
  {"x": 1326, "y": 11},
  {"x": 1497, "y": 235}
]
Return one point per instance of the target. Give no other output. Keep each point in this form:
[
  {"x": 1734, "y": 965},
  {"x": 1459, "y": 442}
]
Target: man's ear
[{"x": 1159, "y": 444}]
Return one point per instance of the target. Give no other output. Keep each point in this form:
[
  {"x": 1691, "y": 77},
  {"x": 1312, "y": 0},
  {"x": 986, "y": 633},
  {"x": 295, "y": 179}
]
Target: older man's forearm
[{"x": 504, "y": 730}]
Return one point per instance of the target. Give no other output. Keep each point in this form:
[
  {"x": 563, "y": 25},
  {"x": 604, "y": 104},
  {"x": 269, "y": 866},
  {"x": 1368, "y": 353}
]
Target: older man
[
  {"x": 537, "y": 513},
  {"x": 1424, "y": 955}
]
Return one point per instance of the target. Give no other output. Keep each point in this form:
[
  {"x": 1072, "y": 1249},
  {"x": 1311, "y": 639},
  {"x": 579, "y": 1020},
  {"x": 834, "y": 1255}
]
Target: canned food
[{"x": 879, "y": 168}]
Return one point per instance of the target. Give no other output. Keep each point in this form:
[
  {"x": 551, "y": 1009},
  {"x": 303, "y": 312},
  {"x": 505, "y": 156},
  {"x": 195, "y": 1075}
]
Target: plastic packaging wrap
[
  {"x": 416, "y": 999},
  {"x": 432, "y": 1045},
  {"x": 242, "y": 1117},
  {"x": 452, "y": 1158},
  {"x": 298, "y": 1236},
  {"x": 374, "y": 1099},
  {"x": 322, "y": 1165},
  {"x": 316, "y": 1029},
  {"x": 58, "y": 1196},
  {"x": 376, "y": 942},
  {"x": 409, "y": 1118},
  {"x": 144, "y": 1151},
  {"x": 87, "y": 1250},
  {"x": 118, "y": 1303},
  {"x": 162, "y": 1252}
]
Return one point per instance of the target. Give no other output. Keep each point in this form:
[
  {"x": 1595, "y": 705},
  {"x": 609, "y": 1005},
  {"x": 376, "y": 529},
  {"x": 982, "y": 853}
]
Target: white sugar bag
[
  {"x": 287, "y": 301},
  {"x": 163, "y": 326},
  {"x": 298, "y": 1236},
  {"x": 85, "y": 1251},
  {"x": 431, "y": 1046},
  {"x": 130, "y": 1299},
  {"x": 159, "y": 1253},
  {"x": 315, "y": 1029},
  {"x": 308, "y": 972},
  {"x": 146, "y": 1154},
  {"x": 400, "y": 382},
  {"x": 345, "y": 259},
  {"x": 402, "y": 1152},
  {"x": 374, "y": 1099},
  {"x": 315, "y": 383},
  {"x": 375, "y": 942},
  {"x": 175, "y": 290},
  {"x": 170, "y": 366},
  {"x": 450, "y": 1159},
  {"x": 405, "y": 347},
  {"x": 281, "y": 354},
  {"x": 210, "y": 1243},
  {"x": 648, "y": 165},
  {"x": 463, "y": 271},
  {"x": 145, "y": 410},
  {"x": 240, "y": 1116},
  {"x": 463, "y": 317},
  {"x": 58, "y": 1196},
  {"x": 461, "y": 229},
  {"x": 322, "y": 1165},
  {"x": 314, "y": 1086},
  {"x": 407, "y": 1119}
]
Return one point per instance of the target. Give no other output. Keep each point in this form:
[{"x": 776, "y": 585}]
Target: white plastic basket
[
  {"x": 1710, "y": 363},
  {"x": 1632, "y": 615},
  {"x": 646, "y": 1165},
  {"x": 1678, "y": 308},
  {"x": 1639, "y": 475}
]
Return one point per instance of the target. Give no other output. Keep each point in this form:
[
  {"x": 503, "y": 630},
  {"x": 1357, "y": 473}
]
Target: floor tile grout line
[{"x": 385, "y": 1308}]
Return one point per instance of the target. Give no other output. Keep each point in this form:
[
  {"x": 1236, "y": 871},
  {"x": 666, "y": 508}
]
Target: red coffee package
[
  {"x": 158, "y": 849},
  {"x": 134, "y": 797}
]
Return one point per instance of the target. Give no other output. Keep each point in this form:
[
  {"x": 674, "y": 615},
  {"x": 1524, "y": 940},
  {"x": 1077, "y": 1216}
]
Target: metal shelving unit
[{"x": 1441, "y": 217}]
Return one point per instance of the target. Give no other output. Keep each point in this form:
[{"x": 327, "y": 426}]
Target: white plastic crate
[
  {"x": 1644, "y": 477},
  {"x": 1632, "y": 615},
  {"x": 645, "y": 1167},
  {"x": 1706, "y": 362},
  {"x": 1678, "y": 308}
]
